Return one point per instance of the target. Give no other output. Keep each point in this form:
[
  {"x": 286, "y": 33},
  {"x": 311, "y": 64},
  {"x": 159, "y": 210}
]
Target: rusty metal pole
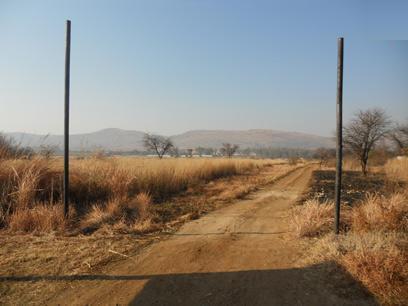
[
  {"x": 339, "y": 132},
  {"x": 66, "y": 117}
]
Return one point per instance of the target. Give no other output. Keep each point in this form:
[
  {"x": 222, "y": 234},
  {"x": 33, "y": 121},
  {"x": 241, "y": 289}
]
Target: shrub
[
  {"x": 313, "y": 218},
  {"x": 40, "y": 218},
  {"x": 379, "y": 213}
]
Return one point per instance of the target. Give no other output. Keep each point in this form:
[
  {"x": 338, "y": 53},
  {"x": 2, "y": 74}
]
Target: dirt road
[{"x": 243, "y": 254}]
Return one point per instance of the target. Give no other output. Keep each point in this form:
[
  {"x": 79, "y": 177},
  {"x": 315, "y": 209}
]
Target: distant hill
[
  {"x": 126, "y": 140},
  {"x": 250, "y": 139}
]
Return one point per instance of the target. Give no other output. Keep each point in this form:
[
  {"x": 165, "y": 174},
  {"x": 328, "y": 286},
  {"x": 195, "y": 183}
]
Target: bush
[
  {"x": 41, "y": 218},
  {"x": 378, "y": 213}
]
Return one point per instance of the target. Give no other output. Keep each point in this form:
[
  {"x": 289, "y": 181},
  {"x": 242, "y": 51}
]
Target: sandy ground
[{"x": 243, "y": 254}]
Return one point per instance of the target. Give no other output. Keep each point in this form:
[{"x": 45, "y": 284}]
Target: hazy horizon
[
  {"x": 170, "y": 67},
  {"x": 175, "y": 134}
]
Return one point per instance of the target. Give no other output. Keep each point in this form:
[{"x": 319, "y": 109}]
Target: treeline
[{"x": 271, "y": 152}]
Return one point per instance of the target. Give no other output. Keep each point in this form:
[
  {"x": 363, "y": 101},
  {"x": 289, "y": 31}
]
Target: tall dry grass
[
  {"x": 397, "y": 170},
  {"x": 313, "y": 218},
  {"x": 373, "y": 245},
  {"x": 102, "y": 190},
  {"x": 379, "y": 213}
]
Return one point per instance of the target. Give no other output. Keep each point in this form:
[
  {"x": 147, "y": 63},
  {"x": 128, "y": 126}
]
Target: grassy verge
[
  {"x": 373, "y": 244},
  {"x": 114, "y": 191}
]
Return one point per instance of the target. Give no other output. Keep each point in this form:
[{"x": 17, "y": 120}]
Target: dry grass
[
  {"x": 313, "y": 218},
  {"x": 54, "y": 254},
  {"x": 121, "y": 213},
  {"x": 378, "y": 260},
  {"x": 379, "y": 213},
  {"x": 373, "y": 246},
  {"x": 109, "y": 190},
  {"x": 41, "y": 218},
  {"x": 397, "y": 170}
]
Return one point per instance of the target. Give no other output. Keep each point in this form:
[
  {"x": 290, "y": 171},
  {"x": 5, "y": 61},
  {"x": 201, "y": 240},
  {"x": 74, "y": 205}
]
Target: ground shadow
[{"x": 323, "y": 284}]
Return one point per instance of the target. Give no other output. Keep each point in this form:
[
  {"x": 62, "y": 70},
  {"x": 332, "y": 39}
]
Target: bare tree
[
  {"x": 363, "y": 132},
  {"x": 175, "y": 152},
  {"x": 200, "y": 151},
  {"x": 47, "y": 151},
  {"x": 189, "y": 152},
  {"x": 323, "y": 155},
  {"x": 399, "y": 135},
  {"x": 159, "y": 144},
  {"x": 228, "y": 149}
]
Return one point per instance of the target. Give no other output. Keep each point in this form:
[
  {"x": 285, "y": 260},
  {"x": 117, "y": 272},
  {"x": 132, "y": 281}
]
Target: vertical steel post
[
  {"x": 339, "y": 132},
  {"x": 66, "y": 117}
]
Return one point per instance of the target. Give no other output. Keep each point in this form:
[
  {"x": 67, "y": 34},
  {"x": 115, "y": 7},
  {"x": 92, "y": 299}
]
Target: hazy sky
[{"x": 170, "y": 66}]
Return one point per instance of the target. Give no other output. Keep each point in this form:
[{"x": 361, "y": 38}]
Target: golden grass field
[
  {"x": 373, "y": 244},
  {"x": 102, "y": 190}
]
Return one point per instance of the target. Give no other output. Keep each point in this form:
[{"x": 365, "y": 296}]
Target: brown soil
[{"x": 243, "y": 254}]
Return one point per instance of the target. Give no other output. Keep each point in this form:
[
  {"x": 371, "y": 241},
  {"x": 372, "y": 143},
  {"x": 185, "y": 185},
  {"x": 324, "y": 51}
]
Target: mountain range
[{"x": 114, "y": 139}]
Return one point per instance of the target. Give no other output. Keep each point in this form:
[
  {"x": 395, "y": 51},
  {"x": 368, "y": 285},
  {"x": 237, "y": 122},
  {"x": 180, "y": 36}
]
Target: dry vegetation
[
  {"x": 373, "y": 245},
  {"x": 114, "y": 191},
  {"x": 126, "y": 203}
]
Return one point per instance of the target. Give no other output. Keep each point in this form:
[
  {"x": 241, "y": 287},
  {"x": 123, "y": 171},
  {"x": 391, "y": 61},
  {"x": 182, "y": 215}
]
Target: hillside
[{"x": 126, "y": 140}]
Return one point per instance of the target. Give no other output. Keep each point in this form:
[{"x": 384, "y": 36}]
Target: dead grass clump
[
  {"x": 27, "y": 180},
  {"x": 380, "y": 262},
  {"x": 94, "y": 180},
  {"x": 119, "y": 212},
  {"x": 374, "y": 250},
  {"x": 379, "y": 213},
  {"x": 313, "y": 218},
  {"x": 41, "y": 218}
]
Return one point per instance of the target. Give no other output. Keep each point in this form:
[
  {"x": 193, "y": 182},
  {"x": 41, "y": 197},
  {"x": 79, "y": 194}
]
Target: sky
[{"x": 170, "y": 66}]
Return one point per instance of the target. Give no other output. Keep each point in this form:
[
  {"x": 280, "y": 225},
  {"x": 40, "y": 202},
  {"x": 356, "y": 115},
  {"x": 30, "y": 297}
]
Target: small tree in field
[
  {"x": 189, "y": 152},
  {"x": 399, "y": 135},
  {"x": 363, "y": 133},
  {"x": 159, "y": 144},
  {"x": 200, "y": 151},
  {"x": 228, "y": 149}
]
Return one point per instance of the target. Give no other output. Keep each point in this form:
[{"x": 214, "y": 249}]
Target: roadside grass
[
  {"x": 119, "y": 192},
  {"x": 373, "y": 243},
  {"x": 117, "y": 233}
]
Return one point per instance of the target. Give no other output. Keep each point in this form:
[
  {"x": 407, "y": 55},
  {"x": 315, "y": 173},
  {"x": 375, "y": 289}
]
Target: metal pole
[
  {"x": 339, "y": 131},
  {"x": 66, "y": 118}
]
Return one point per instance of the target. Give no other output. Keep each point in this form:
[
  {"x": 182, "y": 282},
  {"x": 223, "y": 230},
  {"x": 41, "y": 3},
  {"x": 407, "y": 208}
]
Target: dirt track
[{"x": 243, "y": 254}]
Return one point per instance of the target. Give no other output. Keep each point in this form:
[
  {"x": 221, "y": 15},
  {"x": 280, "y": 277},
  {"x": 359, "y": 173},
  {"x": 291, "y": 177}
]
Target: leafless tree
[
  {"x": 189, "y": 152},
  {"x": 363, "y": 132},
  {"x": 159, "y": 144},
  {"x": 47, "y": 151},
  {"x": 200, "y": 151},
  {"x": 175, "y": 152},
  {"x": 228, "y": 149},
  {"x": 323, "y": 155},
  {"x": 399, "y": 135}
]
